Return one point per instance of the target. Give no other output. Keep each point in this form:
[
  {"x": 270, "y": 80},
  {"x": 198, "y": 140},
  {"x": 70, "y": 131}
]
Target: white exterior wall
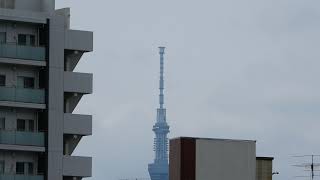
[{"x": 225, "y": 160}]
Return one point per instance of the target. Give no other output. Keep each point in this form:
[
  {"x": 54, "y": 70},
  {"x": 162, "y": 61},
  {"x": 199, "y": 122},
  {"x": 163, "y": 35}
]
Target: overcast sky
[{"x": 244, "y": 69}]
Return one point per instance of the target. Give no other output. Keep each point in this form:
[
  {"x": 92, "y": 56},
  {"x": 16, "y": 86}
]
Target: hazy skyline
[{"x": 234, "y": 69}]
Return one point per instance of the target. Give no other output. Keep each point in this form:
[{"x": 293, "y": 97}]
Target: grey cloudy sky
[{"x": 244, "y": 69}]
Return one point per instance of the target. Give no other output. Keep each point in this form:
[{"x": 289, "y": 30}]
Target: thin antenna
[{"x": 309, "y": 166}]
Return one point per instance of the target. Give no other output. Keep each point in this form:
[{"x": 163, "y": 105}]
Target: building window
[
  {"x": 26, "y": 82},
  {"x": 30, "y": 168},
  {"x": 2, "y": 80},
  {"x": 32, "y": 40},
  {"x": 21, "y": 125},
  {"x": 2, "y": 37},
  {"x": 1, "y": 167},
  {"x": 31, "y": 125},
  {"x": 22, "y": 39},
  {"x": 25, "y": 125},
  {"x": 24, "y": 168},
  {"x": 26, "y": 39},
  {"x": 20, "y": 168},
  {"x": 2, "y": 123}
]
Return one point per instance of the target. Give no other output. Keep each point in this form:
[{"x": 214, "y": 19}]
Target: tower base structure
[{"x": 159, "y": 171}]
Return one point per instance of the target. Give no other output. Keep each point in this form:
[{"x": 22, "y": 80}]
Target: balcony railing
[
  {"x": 12, "y": 50},
  {"x": 22, "y": 95},
  {"x": 20, "y": 177},
  {"x": 22, "y": 138}
]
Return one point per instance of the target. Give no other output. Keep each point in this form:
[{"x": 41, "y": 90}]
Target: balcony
[
  {"x": 20, "y": 177},
  {"x": 79, "y": 40},
  {"x": 76, "y": 166},
  {"x": 77, "y": 124},
  {"x": 78, "y": 82},
  {"x": 22, "y": 95},
  {"x": 22, "y": 138},
  {"x": 22, "y": 52}
]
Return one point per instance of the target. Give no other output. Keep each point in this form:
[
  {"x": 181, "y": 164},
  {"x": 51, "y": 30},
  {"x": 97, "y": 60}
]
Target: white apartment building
[{"x": 39, "y": 91}]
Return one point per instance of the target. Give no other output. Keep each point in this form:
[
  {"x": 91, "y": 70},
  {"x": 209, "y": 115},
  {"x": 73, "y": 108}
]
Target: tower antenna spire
[{"x": 161, "y": 86}]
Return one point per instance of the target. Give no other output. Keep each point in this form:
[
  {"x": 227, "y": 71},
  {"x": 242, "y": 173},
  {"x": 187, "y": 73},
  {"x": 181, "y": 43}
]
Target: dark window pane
[
  {"x": 32, "y": 40},
  {"x": 26, "y": 39},
  {"x": 19, "y": 168},
  {"x": 21, "y": 126},
  {"x": 2, "y": 123},
  {"x": 28, "y": 82},
  {"x": 43, "y": 35},
  {"x": 22, "y": 39},
  {"x": 31, "y": 125},
  {"x": 1, "y": 167},
  {"x": 41, "y": 164},
  {"x": 2, "y": 80},
  {"x": 3, "y": 37},
  {"x": 30, "y": 168}
]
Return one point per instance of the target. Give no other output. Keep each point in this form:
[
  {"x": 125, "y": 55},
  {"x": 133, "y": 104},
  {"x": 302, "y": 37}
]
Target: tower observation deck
[{"x": 159, "y": 169}]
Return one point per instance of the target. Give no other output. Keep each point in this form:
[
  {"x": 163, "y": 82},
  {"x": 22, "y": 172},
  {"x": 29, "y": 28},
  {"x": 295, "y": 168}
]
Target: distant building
[
  {"x": 221, "y": 159},
  {"x": 39, "y": 91},
  {"x": 264, "y": 168}
]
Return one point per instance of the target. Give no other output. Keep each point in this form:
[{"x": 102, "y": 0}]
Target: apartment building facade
[{"x": 39, "y": 91}]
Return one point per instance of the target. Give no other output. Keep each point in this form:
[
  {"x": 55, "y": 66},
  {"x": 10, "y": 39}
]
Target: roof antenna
[{"x": 312, "y": 167}]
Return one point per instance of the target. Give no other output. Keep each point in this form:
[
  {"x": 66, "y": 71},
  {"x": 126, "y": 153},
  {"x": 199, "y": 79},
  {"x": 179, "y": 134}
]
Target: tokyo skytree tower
[{"x": 159, "y": 169}]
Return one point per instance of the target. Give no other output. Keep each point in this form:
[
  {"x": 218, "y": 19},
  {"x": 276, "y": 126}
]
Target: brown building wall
[
  {"x": 175, "y": 151},
  {"x": 264, "y": 168},
  {"x": 182, "y": 159}
]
